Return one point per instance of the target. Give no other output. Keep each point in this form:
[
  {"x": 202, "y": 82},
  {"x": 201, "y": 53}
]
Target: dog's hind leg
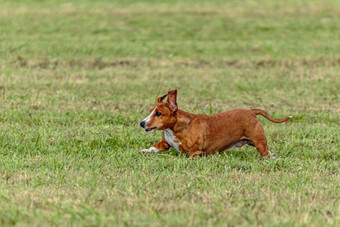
[
  {"x": 260, "y": 141},
  {"x": 262, "y": 148}
]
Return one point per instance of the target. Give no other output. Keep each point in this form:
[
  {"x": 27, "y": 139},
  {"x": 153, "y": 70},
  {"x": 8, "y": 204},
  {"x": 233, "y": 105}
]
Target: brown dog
[{"x": 200, "y": 134}]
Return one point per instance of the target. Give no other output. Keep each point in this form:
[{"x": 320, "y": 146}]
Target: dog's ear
[
  {"x": 160, "y": 98},
  {"x": 172, "y": 100}
]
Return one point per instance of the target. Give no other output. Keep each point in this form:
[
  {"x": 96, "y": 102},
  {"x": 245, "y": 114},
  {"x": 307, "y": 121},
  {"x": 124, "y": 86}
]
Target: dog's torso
[{"x": 210, "y": 133}]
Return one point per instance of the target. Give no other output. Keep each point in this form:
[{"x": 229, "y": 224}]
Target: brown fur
[{"x": 200, "y": 134}]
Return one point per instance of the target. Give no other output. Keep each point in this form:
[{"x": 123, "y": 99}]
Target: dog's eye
[{"x": 158, "y": 114}]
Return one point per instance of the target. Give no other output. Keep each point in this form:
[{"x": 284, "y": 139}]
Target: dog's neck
[{"x": 183, "y": 119}]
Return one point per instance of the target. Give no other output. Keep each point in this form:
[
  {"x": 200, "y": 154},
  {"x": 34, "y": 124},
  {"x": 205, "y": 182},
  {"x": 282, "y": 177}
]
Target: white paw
[
  {"x": 271, "y": 155},
  {"x": 151, "y": 150}
]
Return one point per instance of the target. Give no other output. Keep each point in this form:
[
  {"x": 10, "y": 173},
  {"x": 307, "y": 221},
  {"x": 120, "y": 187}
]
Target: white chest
[{"x": 170, "y": 138}]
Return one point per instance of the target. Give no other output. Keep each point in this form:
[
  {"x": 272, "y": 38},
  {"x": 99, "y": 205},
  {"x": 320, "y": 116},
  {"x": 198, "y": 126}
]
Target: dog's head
[{"x": 163, "y": 115}]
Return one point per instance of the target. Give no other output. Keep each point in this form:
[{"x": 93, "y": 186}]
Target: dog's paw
[
  {"x": 151, "y": 150},
  {"x": 271, "y": 155}
]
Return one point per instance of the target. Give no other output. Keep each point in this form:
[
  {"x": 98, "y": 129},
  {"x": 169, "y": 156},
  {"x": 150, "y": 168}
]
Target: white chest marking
[{"x": 170, "y": 139}]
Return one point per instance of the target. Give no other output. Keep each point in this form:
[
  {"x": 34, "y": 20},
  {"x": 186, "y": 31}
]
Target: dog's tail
[{"x": 266, "y": 115}]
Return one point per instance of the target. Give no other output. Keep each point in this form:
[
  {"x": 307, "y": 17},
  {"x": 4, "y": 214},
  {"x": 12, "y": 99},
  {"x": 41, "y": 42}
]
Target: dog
[{"x": 201, "y": 134}]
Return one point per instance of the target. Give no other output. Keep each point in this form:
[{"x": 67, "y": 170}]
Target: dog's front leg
[
  {"x": 194, "y": 154},
  {"x": 161, "y": 146}
]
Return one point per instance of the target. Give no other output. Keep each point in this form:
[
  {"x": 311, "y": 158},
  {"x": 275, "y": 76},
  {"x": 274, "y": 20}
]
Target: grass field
[{"x": 76, "y": 79}]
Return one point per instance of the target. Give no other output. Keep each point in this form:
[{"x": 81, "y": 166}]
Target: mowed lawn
[{"x": 77, "y": 78}]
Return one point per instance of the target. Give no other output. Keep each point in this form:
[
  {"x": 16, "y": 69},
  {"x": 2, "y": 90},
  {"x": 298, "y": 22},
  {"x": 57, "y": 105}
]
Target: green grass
[{"x": 76, "y": 79}]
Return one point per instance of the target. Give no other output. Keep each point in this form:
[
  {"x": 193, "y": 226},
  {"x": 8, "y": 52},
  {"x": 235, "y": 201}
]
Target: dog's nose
[{"x": 142, "y": 124}]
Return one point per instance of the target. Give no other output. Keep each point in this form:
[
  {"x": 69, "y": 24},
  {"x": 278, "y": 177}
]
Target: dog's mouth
[{"x": 151, "y": 129}]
